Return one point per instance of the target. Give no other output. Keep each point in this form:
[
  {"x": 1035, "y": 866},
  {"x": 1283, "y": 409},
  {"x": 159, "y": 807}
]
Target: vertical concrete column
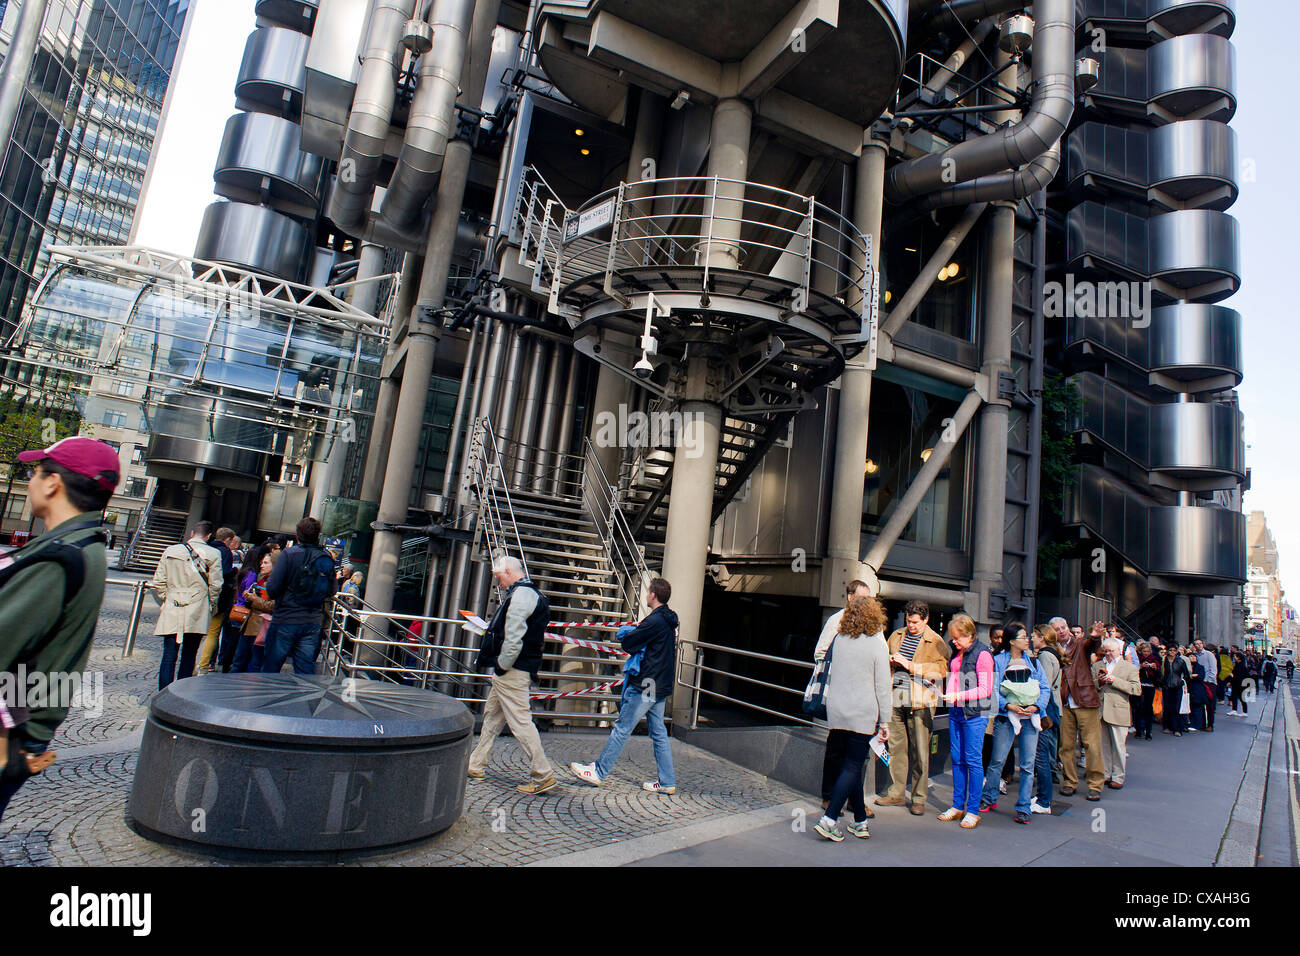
[
  {"x": 425, "y": 325},
  {"x": 613, "y": 389},
  {"x": 991, "y": 455},
  {"x": 690, "y": 516},
  {"x": 381, "y": 430},
  {"x": 844, "y": 539},
  {"x": 545, "y": 462},
  {"x": 534, "y": 399},
  {"x": 729, "y": 161},
  {"x": 198, "y": 502}
]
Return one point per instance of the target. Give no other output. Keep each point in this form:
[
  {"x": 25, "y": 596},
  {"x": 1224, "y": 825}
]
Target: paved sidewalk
[
  {"x": 75, "y": 813},
  {"x": 1175, "y": 809}
]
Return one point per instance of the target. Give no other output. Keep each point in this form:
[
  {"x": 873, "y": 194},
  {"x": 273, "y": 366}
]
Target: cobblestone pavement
[{"x": 75, "y": 813}]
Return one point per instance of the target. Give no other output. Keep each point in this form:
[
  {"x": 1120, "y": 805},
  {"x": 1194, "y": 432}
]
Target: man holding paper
[{"x": 512, "y": 652}]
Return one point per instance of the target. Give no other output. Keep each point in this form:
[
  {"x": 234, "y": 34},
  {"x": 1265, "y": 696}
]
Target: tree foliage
[{"x": 1061, "y": 406}]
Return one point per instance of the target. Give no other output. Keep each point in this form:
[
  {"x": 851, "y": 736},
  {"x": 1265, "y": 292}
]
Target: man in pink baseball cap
[{"x": 50, "y": 594}]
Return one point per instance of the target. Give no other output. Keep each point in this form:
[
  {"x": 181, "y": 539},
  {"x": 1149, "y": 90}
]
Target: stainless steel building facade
[{"x": 764, "y": 298}]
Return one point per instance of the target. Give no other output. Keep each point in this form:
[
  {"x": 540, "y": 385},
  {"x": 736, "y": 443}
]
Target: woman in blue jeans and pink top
[
  {"x": 970, "y": 702},
  {"x": 1016, "y": 724}
]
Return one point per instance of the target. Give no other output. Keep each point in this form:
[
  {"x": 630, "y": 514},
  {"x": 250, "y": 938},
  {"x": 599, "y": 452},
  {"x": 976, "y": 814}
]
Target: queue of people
[
  {"x": 219, "y": 615},
  {"x": 1020, "y": 706}
]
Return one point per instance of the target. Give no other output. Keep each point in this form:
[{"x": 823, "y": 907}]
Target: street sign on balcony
[{"x": 587, "y": 221}]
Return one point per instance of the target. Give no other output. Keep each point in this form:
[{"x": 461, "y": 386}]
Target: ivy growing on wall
[{"x": 1061, "y": 406}]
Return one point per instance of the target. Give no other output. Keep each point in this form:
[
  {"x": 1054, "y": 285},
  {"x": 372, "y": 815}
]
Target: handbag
[
  {"x": 1158, "y": 703},
  {"x": 814, "y": 695},
  {"x": 261, "y": 631},
  {"x": 239, "y": 613},
  {"x": 1185, "y": 705}
]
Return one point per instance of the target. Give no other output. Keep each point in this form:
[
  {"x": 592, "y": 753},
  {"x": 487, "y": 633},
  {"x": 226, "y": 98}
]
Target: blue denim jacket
[{"x": 1000, "y": 662}]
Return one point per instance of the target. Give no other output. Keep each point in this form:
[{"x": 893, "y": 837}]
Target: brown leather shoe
[
  {"x": 890, "y": 802},
  {"x": 917, "y": 809},
  {"x": 1114, "y": 786},
  {"x": 1067, "y": 791}
]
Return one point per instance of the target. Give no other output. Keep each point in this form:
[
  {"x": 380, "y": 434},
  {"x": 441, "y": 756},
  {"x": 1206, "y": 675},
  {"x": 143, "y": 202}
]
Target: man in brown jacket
[
  {"x": 919, "y": 659},
  {"x": 1081, "y": 714}
]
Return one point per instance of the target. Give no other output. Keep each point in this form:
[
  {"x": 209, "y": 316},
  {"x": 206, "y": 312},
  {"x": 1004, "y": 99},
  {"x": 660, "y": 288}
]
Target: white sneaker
[
  {"x": 827, "y": 828},
  {"x": 1002, "y": 786},
  {"x": 654, "y": 786},
  {"x": 1036, "y": 807},
  {"x": 859, "y": 830},
  {"x": 586, "y": 772}
]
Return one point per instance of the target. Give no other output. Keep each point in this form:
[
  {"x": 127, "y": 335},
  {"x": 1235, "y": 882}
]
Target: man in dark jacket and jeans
[
  {"x": 647, "y": 688},
  {"x": 303, "y": 580}
]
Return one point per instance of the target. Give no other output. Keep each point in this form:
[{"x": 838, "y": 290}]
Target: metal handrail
[
  {"x": 649, "y": 228},
  {"x": 625, "y": 554},
  {"x": 487, "y": 477},
  {"x": 698, "y": 669},
  {"x": 127, "y": 553}
]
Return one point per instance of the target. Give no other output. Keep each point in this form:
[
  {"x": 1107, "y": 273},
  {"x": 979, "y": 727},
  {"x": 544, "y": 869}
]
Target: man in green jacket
[{"x": 44, "y": 630}]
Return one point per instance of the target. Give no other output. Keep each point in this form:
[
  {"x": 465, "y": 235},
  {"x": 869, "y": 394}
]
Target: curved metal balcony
[
  {"x": 273, "y": 73},
  {"x": 1189, "y": 164},
  {"x": 1194, "y": 76},
  {"x": 1190, "y": 342},
  {"x": 1135, "y": 21},
  {"x": 766, "y": 275},
  {"x": 1179, "y": 17},
  {"x": 1198, "y": 442},
  {"x": 256, "y": 238},
  {"x": 1193, "y": 546},
  {"x": 298, "y": 15},
  {"x": 1196, "y": 252},
  {"x": 1194, "y": 162},
  {"x": 261, "y": 160}
]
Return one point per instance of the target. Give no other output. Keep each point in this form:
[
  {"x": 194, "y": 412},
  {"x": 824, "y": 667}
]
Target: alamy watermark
[
  {"x": 1130, "y": 301},
  {"x": 39, "y": 690},
  {"x": 628, "y": 429}
]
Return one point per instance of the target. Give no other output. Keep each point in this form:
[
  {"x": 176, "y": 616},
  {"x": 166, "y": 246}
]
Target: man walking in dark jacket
[
  {"x": 647, "y": 688},
  {"x": 512, "y": 651},
  {"x": 303, "y": 580}
]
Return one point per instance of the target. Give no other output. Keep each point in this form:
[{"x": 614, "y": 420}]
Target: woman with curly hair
[{"x": 858, "y": 705}]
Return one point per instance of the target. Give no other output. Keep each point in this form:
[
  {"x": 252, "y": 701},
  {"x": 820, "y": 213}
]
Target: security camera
[{"x": 643, "y": 368}]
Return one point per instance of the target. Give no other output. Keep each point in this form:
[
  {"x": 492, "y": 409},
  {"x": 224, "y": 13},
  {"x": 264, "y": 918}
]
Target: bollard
[{"x": 133, "y": 625}]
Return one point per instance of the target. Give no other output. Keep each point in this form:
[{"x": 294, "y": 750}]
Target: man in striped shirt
[{"x": 919, "y": 658}]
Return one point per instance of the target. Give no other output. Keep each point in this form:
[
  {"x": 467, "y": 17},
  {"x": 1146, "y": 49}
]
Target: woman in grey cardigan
[{"x": 858, "y": 702}]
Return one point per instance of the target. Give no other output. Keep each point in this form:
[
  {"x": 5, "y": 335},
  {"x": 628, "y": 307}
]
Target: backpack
[
  {"x": 315, "y": 577},
  {"x": 67, "y": 556}
]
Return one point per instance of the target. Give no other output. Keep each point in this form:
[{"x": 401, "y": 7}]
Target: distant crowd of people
[
  {"x": 1039, "y": 693},
  {"x": 230, "y": 609}
]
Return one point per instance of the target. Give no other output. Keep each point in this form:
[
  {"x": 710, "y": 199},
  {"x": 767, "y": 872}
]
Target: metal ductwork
[
  {"x": 371, "y": 115},
  {"x": 1016, "y": 146},
  {"x": 946, "y": 16},
  {"x": 433, "y": 115},
  {"x": 1010, "y": 186}
]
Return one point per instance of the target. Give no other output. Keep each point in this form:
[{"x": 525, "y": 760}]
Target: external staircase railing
[
  {"x": 127, "y": 554},
  {"x": 488, "y": 482}
]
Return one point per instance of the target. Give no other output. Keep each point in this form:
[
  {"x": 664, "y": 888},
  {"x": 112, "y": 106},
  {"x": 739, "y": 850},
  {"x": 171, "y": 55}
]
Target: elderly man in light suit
[{"x": 1117, "y": 680}]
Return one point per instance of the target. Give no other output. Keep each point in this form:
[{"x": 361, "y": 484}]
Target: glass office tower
[{"x": 74, "y": 168}]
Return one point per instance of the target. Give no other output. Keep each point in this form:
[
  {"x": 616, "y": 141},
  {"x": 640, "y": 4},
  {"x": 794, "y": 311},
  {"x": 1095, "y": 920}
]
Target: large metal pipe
[
  {"x": 921, "y": 484},
  {"x": 957, "y": 59},
  {"x": 433, "y": 116},
  {"x": 467, "y": 374},
  {"x": 1009, "y": 186},
  {"x": 928, "y": 17},
  {"x": 545, "y": 460},
  {"x": 372, "y": 114},
  {"x": 425, "y": 331},
  {"x": 531, "y": 408},
  {"x": 1018, "y": 145},
  {"x": 18, "y": 63},
  {"x": 568, "y": 415}
]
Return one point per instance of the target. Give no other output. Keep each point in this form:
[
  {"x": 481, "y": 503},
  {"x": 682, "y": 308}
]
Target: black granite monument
[{"x": 281, "y": 763}]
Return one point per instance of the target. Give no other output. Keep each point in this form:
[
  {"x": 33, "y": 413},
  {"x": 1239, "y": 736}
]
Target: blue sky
[{"x": 1269, "y": 211}]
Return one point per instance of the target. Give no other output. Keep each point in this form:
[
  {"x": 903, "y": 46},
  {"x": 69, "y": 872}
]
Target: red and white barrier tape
[
  {"x": 591, "y": 644},
  {"x": 609, "y": 625},
  {"x": 599, "y": 688}
]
